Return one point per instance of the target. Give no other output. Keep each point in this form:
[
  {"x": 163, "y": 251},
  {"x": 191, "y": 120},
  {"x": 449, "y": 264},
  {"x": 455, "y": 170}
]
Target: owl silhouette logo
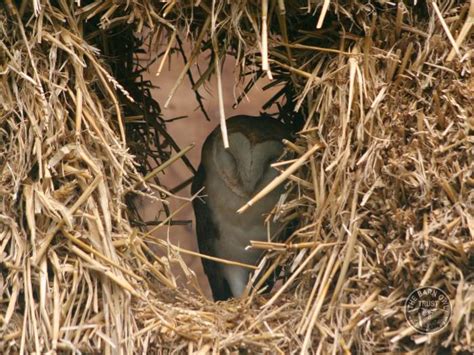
[{"x": 428, "y": 309}]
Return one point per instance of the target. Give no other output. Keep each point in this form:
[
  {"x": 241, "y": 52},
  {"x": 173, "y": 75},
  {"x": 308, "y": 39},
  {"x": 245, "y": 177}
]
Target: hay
[{"x": 385, "y": 198}]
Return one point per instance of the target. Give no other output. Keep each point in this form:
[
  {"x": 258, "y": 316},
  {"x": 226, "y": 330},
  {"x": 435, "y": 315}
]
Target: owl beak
[
  {"x": 249, "y": 184},
  {"x": 250, "y": 177}
]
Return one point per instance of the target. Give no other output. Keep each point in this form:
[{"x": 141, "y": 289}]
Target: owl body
[
  {"x": 229, "y": 178},
  {"x": 237, "y": 230}
]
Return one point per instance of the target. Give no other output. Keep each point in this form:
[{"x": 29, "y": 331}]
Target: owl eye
[
  {"x": 227, "y": 163},
  {"x": 228, "y": 159}
]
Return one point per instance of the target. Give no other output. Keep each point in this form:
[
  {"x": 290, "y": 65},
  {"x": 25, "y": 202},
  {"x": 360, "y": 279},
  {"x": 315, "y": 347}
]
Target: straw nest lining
[{"x": 384, "y": 184}]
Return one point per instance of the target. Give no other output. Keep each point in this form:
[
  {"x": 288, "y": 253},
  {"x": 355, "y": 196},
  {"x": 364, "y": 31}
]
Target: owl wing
[{"x": 207, "y": 234}]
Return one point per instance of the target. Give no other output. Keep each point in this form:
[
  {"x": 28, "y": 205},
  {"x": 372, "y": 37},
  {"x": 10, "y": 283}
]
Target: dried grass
[{"x": 383, "y": 184}]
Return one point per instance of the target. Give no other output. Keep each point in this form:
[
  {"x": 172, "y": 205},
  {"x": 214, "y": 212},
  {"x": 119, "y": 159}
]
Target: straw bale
[{"x": 382, "y": 184}]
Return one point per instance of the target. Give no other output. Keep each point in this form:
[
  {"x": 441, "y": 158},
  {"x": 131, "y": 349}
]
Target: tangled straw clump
[{"x": 384, "y": 185}]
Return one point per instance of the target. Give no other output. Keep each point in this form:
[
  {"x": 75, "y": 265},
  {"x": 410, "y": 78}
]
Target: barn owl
[{"x": 228, "y": 178}]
